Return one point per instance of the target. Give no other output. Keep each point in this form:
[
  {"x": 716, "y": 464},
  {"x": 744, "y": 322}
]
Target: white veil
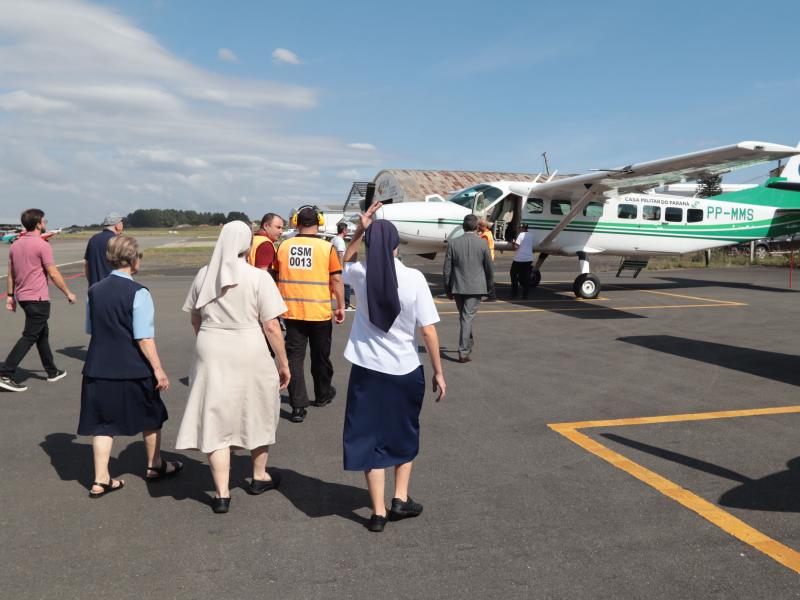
[{"x": 225, "y": 265}]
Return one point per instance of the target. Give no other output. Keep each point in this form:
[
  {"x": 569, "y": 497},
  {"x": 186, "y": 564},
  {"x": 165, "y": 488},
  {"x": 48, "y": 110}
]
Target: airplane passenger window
[
  {"x": 534, "y": 206},
  {"x": 626, "y": 211},
  {"x": 560, "y": 207},
  {"x": 651, "y": 213},
  {"x": 593, "y": 210},
  {"x": 673, "y": 215},
  {"x": 694, "y": 215}
]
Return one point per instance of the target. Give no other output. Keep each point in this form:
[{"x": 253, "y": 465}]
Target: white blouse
[{"x": 395, "y": 351}]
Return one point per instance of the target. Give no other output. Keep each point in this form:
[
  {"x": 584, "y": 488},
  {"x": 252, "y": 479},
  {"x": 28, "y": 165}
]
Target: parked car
[{"x": 780, "y": 244}]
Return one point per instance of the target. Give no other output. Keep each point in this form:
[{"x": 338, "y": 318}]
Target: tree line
[{"x": 169, "y": 217}]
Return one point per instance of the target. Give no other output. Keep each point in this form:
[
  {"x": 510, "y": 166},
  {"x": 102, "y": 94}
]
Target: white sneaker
[
  {"x": 60, "y": 374},
  {"x": 349, "y": 309},
  {"x": 12, "y": 386}
]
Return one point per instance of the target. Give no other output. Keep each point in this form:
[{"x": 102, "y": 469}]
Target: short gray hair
[{"x": 122, "y": 251}]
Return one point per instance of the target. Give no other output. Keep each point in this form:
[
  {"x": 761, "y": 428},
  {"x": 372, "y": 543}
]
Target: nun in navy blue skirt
[
  {"x": 122, "y": 376},
  {"x": 387, "y": 381}
]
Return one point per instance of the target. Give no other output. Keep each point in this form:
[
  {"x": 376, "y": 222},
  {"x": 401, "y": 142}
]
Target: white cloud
[
  {"x": 22, "y": 101},
  {"x": 96, "y": 115},
  {"x": 282, "y": 56},
  {"x": 361, "y": 146},
  {"x": 349, "y": 174},
  {"x": 227, "y": 54}
]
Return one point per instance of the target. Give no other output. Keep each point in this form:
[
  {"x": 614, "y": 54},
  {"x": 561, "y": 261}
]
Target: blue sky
[{"x": 127, "y": 104}]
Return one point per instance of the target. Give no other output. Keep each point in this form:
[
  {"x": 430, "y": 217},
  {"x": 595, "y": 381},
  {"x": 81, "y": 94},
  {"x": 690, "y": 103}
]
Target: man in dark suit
[{"x": 467, "y": 270}]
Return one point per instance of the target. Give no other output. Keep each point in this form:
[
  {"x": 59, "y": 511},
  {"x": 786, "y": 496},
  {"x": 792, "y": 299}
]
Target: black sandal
[
  {"x": 162, "y": 470},
  {"x": 107, "y": 488}
]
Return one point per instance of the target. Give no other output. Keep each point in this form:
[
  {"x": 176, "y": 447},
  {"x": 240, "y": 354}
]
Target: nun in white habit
[{"x": 234, "y": 398}]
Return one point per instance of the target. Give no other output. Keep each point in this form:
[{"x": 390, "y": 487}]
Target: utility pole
[{"x": 546, "y": 165}]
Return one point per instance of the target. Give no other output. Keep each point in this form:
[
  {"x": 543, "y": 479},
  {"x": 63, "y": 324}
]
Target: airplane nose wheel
[
  {"x": 586, "y": 286},
  {"x": 536, "y": 277}
]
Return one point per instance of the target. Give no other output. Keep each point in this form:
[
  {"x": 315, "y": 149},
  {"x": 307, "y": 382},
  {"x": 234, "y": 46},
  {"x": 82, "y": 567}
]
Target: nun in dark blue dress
[
  {"x": 387, "y": 381},
  {"x": 122, "y": 376}
]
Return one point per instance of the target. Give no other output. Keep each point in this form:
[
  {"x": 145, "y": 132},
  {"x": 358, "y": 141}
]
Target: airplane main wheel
[
  {"x": 586, "y": 286},
  {"x": 536, "y": 278}
]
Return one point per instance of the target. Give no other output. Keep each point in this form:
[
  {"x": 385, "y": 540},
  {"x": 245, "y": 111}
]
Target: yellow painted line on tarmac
[
  {"x": 500, "y": 302},
  {"x": 788, "y": 557},
  {"x": 668, "y": 294},
  {"x": 610, "y": 308}
]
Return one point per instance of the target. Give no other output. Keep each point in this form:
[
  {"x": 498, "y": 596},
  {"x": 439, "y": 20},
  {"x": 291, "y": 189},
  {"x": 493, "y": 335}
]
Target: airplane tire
[
  {"x": 536, "y": 278},
  {"x": 586, "y": 286}
]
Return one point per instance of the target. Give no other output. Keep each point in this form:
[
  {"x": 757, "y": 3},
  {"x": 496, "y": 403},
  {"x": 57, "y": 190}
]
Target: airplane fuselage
[{"x": 643, "y": 224}]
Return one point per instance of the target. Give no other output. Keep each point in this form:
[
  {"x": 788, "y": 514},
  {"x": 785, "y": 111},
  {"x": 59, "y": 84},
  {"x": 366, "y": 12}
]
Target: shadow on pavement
[
  {"x": 671, "y": 283},
  {"x": 73, "y": 461},
  {"x": 772, "y": 365},
  {"x": 22, "y": 375},
  {"x": 778, "y": 492},
  {"x": 76, "y": 352},
  {"x": 317, "y": 498}
]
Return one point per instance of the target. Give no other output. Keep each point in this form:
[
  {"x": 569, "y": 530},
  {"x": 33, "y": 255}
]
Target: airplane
[
  {"x": 614, "y": 211},
  {"x": 13, "y": 236}
]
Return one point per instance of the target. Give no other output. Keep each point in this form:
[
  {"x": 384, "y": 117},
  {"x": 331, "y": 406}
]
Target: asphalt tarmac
[{"x": 686, "y": 507}]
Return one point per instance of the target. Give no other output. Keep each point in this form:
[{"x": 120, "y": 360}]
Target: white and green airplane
[{"x": 615, "y": 211}]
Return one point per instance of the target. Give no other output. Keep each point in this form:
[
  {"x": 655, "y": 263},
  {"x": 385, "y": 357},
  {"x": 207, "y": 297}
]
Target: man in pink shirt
[{"x": 30, "y": 261}]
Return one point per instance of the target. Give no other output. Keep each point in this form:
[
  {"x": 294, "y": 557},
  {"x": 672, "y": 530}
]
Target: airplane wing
[{"x": 582, "y": 189}]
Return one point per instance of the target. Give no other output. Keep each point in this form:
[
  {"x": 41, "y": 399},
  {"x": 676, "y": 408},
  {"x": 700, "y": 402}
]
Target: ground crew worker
[
  {"x": 485, "y": 232},
  {"x": 309, "y": 274},
  {"x": 262, "y": 252}
]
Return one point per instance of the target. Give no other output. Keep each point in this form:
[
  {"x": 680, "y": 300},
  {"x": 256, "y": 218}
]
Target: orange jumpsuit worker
[
  {"x": 485, "y": 232},
  {"x": 309, "y": 274}
]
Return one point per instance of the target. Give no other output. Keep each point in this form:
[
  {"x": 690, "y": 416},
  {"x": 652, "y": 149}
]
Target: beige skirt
[{"x": 234, "y": 399}]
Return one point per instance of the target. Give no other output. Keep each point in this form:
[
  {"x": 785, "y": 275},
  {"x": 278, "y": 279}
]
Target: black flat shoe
[
  {"x": 258, "y": 486},
  {"x": 162, "y": 472},
  {"x": 327, "y": 400},
  {"x": 298, "y": 415},
  {"x": 404, "y": 510},
  {"x": 220, "y": 505},
  {"x": 376, "y": 523}
]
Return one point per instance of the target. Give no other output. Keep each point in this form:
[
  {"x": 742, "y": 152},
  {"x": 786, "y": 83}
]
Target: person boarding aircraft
[{"x": 613, "y": 211}]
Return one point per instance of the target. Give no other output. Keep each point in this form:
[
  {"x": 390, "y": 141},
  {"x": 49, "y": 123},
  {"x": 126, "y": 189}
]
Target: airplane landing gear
[
  {"x": 587, "y": 284},
  {"x": 536, "y": 274}
]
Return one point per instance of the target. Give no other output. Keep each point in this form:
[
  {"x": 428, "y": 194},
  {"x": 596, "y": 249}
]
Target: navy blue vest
[{"x": 113, "y": 351}]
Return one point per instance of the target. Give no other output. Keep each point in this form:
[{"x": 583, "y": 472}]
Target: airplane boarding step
[{"x": 632, "y": 264}]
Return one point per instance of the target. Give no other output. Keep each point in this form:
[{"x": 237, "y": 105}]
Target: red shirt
[
  {"x": 265, "y": 253},
  {"x": 28, "y": 260}
]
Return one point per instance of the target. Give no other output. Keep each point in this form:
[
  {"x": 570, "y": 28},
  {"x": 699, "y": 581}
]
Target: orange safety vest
[
  {"x": 304, "y": 278},
  {"x": 257, "y": 241},
  {"x": 487, "y": 235}
]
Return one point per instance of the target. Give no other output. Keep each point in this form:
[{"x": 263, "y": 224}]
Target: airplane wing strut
[{"x": 577, "y": 209}]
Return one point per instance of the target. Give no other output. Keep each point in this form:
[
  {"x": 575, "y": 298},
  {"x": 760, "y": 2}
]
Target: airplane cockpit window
[
  {"x": 651, "y": 213},
  {"x": 466, "y": 197},
  {"x": 626, "y": 211},
  {"x": 560, "y": 207},
  {"x": 593, "y": 210},
  {"x": 673, "y": 214},
  {"x": 694, "y": 215},
  {"x": 534, "y": 206}
]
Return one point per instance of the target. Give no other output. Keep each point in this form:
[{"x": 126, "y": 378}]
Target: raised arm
[{"x": 365, "y": 220}]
